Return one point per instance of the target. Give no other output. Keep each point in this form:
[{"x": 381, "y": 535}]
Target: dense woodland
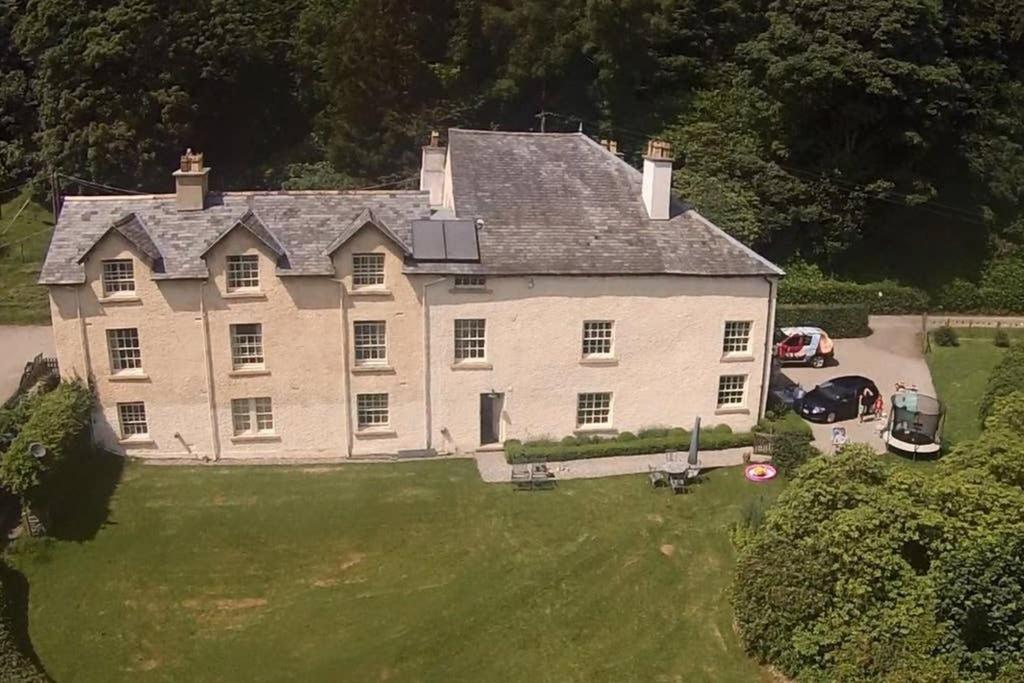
[{"x": 874, "y": 138}]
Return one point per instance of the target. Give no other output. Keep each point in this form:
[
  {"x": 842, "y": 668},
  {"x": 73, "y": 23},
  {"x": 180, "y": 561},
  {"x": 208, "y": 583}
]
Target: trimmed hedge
[
  {"x": 839, "y": 320},
  {"x": 961, "y": 296},
  {"x": 1006, "y": 378},
  {"x": 881, "y": 298},
  {"x": 713, "y": 439}
]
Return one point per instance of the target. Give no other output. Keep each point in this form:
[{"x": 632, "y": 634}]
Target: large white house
[{"x": 537, "y": 285}]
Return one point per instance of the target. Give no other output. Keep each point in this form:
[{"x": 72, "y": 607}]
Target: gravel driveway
[
  {"x": 18, "y": 345},
  {"x": 891, "y": 354}
]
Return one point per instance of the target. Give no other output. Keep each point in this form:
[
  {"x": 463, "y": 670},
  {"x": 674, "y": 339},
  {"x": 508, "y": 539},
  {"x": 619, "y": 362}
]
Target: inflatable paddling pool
[{"x": 759, "y": 472}]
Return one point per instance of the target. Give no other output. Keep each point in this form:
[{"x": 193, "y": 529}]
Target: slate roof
[
  {"x": 555, "y": 203},
  {"x": 302, "y": 225},
  {"x": 561, "y": 203}
]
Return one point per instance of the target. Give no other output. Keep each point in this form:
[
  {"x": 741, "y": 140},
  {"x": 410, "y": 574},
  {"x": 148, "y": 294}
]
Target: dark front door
[{"x": 490, "y": 418}]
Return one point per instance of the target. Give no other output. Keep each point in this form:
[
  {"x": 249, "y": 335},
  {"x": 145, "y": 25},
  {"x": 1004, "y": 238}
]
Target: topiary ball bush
[
  {"x": 946, "y": 336},
  {"x": 1001, "y": 339}
]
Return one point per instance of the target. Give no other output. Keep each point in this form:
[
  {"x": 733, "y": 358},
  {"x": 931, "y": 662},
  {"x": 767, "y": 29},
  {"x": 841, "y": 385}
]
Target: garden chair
[
  {"x": 521, "y": 476},
  {"x": 541, "y": 476},
  {"x": 656, "y": 476}
]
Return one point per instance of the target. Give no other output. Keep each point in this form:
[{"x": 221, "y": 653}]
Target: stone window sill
[
  {"x": 253, "y": 294},
  {"x": 249, "y": 372},
  {"x": 128, "y": 377},
  {"x": 472, "y": 365},
  {"x": 470, "y": 290},
  {"x": 370, "y": 291},
  {"x": 255, "y": 438},
  {"x": 732, "y": 410},
  {"x": 372, "y": 370},
  {"x": 737, "y": 358},
  {"x": 137, "y": 442},
  {"x": 376, "y": 433},
  {"x": 599, "y": 360},
  {"x": 125, "y": 299}
]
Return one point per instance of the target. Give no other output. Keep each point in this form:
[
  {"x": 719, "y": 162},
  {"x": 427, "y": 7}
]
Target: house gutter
[
  {"x": 427, "y": 414},
  {"x": 773, "y": 289},
  {"x": 208, "y": 358},
  {"x": 346, "y": 381}
]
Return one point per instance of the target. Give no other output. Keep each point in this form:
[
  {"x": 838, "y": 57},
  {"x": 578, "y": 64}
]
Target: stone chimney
[
  {"x": 432, "y": 168},
  {"x": 656, "y": 188},
  {"x": 611, "y": 145},
  {"x": 191, "y": 182}
]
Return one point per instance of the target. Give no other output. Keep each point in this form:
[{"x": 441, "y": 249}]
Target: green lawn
[
  {"x": 413, "y": 571},
  {"x": 960, "y": 374},
  {"x": 22, "y": 301}
]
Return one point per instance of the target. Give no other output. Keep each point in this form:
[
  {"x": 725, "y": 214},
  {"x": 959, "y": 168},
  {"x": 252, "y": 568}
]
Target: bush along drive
[
  {"x": 1006, "y": 378},
  {"x": 838, "y": 320},
  {"x": 946, "y": 336},
  {"x": 56, "y": 421},
  {"x": 862, "y": 571}
]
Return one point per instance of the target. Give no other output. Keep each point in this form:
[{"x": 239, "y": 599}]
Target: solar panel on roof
[
  {"x": 428, "y": 240},
  {"x": 454, "y": 240},
  {"x": 460, "y": 241}
]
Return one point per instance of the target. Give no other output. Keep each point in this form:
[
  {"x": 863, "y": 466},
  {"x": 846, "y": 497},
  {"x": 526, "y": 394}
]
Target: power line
[
  {"x": 98, "y": 186},
  {"x": 26, "y": 237}
]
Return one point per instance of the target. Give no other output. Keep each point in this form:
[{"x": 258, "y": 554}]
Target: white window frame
[
  {"x": 118, "y": 277},
  {"x": 598, "y": 339},
  {"x": 470, "y": 336},
  {"x": 243, "y": 273},
  {"x": 247, "y": 347},
  {"x": 252, "y": 416},
  {"x": 133, "y": 420},
  {"x": 470, "y": 282},
  {"x": 732, "y": 392},
  {"x": 367, "y": 270},
  {"x": 370, "y": 343},
  {"x": 592, "y": 405},
  {"x": 125, "y": 350},
  {"x": 373, "y": 411},
  {"x": 736, "y": 337}
]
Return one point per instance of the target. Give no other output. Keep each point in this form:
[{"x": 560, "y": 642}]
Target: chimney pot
[
  {"x": 435, "y": 138},
  {"x": 191, "y": 182}
]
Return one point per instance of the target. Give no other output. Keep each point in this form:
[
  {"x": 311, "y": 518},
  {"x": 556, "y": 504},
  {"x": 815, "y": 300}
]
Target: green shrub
[
  {"x": 673, "y": 440},
  {"x": 788, "y": 422},
  {"x": 790, "y": 451},
  {"x": 570, "y": 441},
  {"x": 1001, "y": 338},
  {"x": 652, "y": 432},
  {"x": 880, "y": 297},
  {"x": 57, "y": 420},
  {"x": 946, "y": 336},
  {"x": 998, "y": 294},
  {"x": 839, "y": 320},
  {"x": 626, "y": 436},
  {"x": 1006, "y": 378}
]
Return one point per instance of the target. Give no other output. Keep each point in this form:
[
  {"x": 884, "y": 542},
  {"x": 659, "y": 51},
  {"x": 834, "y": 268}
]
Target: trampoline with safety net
[{"x": 915, "y": 423}]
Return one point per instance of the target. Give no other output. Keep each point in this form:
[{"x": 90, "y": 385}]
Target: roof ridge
[
  {"x": 475, "y": 131},
  {"x": 245, "y": 193}
]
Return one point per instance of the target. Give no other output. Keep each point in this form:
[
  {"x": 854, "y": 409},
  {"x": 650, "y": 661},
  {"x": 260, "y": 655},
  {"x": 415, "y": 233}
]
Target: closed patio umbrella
[{"x": 693, "y": 458}]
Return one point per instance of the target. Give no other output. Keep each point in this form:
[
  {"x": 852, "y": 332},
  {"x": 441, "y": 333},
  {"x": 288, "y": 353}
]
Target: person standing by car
[{"x": 867, "y": 402}]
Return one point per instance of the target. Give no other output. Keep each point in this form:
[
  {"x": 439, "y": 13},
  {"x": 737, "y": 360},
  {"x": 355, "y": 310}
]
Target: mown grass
[
  {"x": 412, "y": 571},
  {"x": 23, "y": 244},
  {"x": 960, "y": 374}
]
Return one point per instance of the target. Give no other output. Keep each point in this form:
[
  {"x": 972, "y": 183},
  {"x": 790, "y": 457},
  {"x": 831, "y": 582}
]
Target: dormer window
[
  {"x": 367, "y": 270},
  {"x": 118, "y": 277},
  {"x": 243, "y": 272}
]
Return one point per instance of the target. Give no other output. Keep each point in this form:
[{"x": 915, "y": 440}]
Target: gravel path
[{"x": 18, "y": 345}]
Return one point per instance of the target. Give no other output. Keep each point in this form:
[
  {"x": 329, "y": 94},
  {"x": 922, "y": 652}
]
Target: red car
[{"x": 804, "y": 345}]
